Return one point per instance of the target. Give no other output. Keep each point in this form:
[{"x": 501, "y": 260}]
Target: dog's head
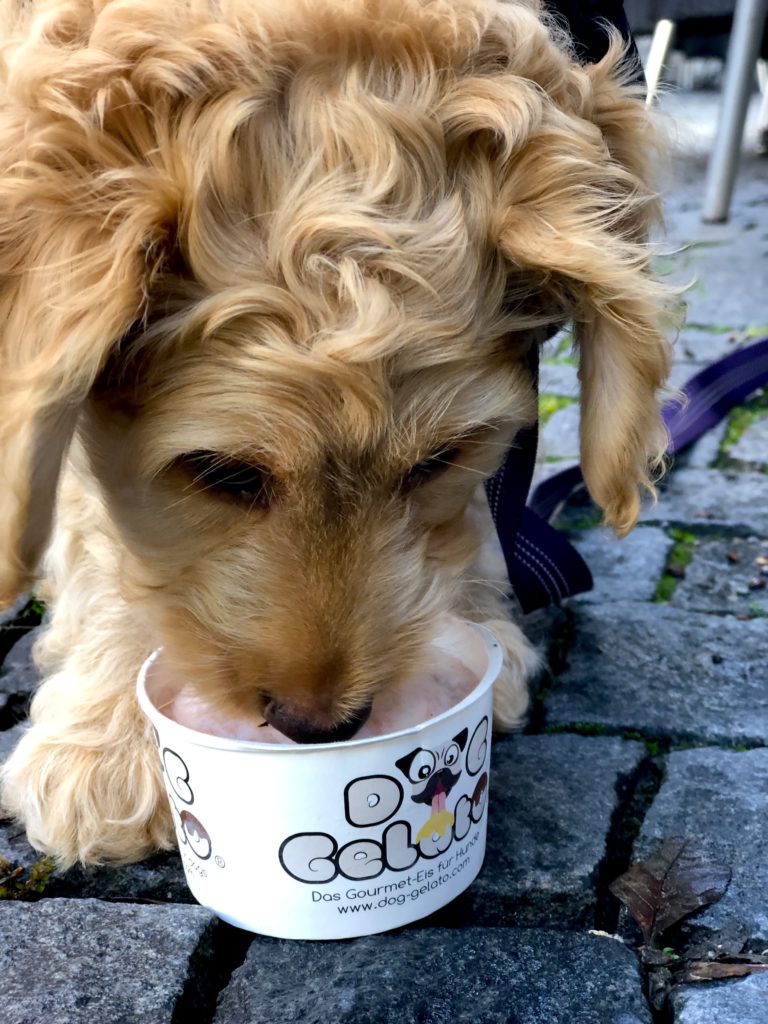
[{"x": 279, "y": 268}]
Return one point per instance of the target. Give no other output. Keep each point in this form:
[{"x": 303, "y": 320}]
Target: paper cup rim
[{"x": 204, "y": 739}]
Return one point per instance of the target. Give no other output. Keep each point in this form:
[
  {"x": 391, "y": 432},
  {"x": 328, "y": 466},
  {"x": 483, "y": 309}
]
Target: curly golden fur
[{"x": 313, "y": 241}]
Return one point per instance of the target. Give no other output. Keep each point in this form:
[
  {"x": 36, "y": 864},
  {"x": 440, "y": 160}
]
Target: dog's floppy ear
[
  {"x": 576, "y": 211},
  {"x": 75, "y": 231}
]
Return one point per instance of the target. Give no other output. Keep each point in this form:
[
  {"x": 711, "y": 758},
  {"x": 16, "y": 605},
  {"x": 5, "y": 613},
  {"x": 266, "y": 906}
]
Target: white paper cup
[{"x": 330, "y": 841}]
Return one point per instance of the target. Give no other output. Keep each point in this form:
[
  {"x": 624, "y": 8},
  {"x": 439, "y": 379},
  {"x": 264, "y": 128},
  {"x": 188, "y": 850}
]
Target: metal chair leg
[
  {"x": 743, "y": 50},
  {"x": 663, "y": 35}
]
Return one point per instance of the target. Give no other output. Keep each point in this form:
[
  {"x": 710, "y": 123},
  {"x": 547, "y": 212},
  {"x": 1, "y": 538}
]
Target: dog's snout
[{"x": 300, "y": 724}]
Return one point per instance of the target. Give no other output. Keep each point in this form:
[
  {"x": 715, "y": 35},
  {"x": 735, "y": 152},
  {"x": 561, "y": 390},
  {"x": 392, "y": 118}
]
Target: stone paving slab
[
  {"x": 472, "y": 976},
  {"x": 665, "y": 672},
  {"x": 559, "y": 379},
  {"x": 19, "y": 676},
  {"x": 712, "y": 499},
  {"x": 705, "y": 346},
  {"x": 682, "y": 372},
  {"x": 541, "y": 861},
  {"x": 752, "y": 446},
  {"x": 623, "y": 570},
  {"x": 731, "y": 278},
  {"x": 720, "y": 799},
  {"x": 87, "y": 962},
  {"x": 160, "y": 877},
  {"x": 734, "y": 1002},
  {"x": 560, "y": 434},
  {"x": 14, "y": 846},
  {"x": 8, "y": 740},
  {"x": 703, "y": 453},
  {"x": 724, "y": 576}
]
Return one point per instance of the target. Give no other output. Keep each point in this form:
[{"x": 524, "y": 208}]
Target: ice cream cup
[{"x": 331, "y": 841}]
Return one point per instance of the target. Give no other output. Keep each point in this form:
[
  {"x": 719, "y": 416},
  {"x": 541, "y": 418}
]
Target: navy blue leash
[{"x": 543, "y": 566}]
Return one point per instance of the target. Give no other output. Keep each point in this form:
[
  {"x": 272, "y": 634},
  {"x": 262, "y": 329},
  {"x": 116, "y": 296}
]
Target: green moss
[
  {"x": 758, "y": 331},
  {"x": 742, "y": 418},
  {"x": 580, "y": 728},
  {"x": 682, "y": 536},
  {"x": 565, "y": 345},
  {"x": 18, "y": 884},
  {"x": 652, "y": 746},
  {"x": 562, "y": 361},
  {"x": 550, "y": 404},
  {"x": 712, "y": 328},
  {"x": 679, "y": 557},
  {"x": 579, "y": 519},
  {"x": 666, "y": 588}
]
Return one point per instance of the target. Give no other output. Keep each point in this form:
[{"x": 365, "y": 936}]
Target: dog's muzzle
[{"x": 298, "y": 725}]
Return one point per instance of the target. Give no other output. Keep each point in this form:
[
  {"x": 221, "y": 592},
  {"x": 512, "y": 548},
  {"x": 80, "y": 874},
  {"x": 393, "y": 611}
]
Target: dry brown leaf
[
  {"x": 711, "y": 970},
  {"x": 676, "y": 880}
]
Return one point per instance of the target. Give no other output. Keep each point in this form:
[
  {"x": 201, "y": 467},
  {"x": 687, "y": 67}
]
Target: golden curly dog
[{"x": 270, "y": 273}]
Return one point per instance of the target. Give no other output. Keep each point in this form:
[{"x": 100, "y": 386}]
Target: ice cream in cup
[{"x": 334, "y": 840}]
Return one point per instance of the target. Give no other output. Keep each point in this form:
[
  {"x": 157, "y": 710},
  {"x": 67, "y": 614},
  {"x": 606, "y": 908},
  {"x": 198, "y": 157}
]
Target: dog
[{"x": 271, "y": 277}]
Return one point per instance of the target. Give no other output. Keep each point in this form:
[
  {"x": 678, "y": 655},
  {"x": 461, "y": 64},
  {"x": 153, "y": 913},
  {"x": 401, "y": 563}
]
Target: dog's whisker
[
  {"x": 465, "y": 469},
  {"x": 486, "y": 444}
]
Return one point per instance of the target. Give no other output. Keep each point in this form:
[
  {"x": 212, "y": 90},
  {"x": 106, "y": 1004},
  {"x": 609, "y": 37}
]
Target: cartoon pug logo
[{"x": 433, "y": 774}]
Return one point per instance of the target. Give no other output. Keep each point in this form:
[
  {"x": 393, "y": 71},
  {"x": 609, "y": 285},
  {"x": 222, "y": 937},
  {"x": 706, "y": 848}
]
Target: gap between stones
[
  {"x": 220, "y": 950},
  {"x": 635, "y": 792},
  {"x": 16, "y": 710}
]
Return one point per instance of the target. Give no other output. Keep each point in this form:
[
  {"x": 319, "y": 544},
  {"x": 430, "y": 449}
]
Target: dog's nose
[{"x": 298, "y": 724}]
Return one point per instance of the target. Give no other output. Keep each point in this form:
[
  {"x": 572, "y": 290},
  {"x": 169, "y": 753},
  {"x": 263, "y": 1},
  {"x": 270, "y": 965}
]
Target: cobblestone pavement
[{"x": 652, "y": 722}]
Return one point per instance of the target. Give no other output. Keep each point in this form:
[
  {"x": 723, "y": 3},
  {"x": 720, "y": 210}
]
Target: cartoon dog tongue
[{"x": 440, "y": 820}]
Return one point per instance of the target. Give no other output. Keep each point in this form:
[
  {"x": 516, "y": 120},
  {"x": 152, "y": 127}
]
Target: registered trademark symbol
[{"x": 219, "y": 861}]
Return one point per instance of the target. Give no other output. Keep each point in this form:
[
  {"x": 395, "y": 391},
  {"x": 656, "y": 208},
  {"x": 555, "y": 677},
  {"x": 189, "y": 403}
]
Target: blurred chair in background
[{"x": 734, "y": 32}]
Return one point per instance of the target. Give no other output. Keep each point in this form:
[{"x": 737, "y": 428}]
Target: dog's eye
[
  {"x": 451, "y": 755},
  {"x": 427, "y": 468},
  {"x": 228, "y": 477},
  {"x": 422, "y": 766}
]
